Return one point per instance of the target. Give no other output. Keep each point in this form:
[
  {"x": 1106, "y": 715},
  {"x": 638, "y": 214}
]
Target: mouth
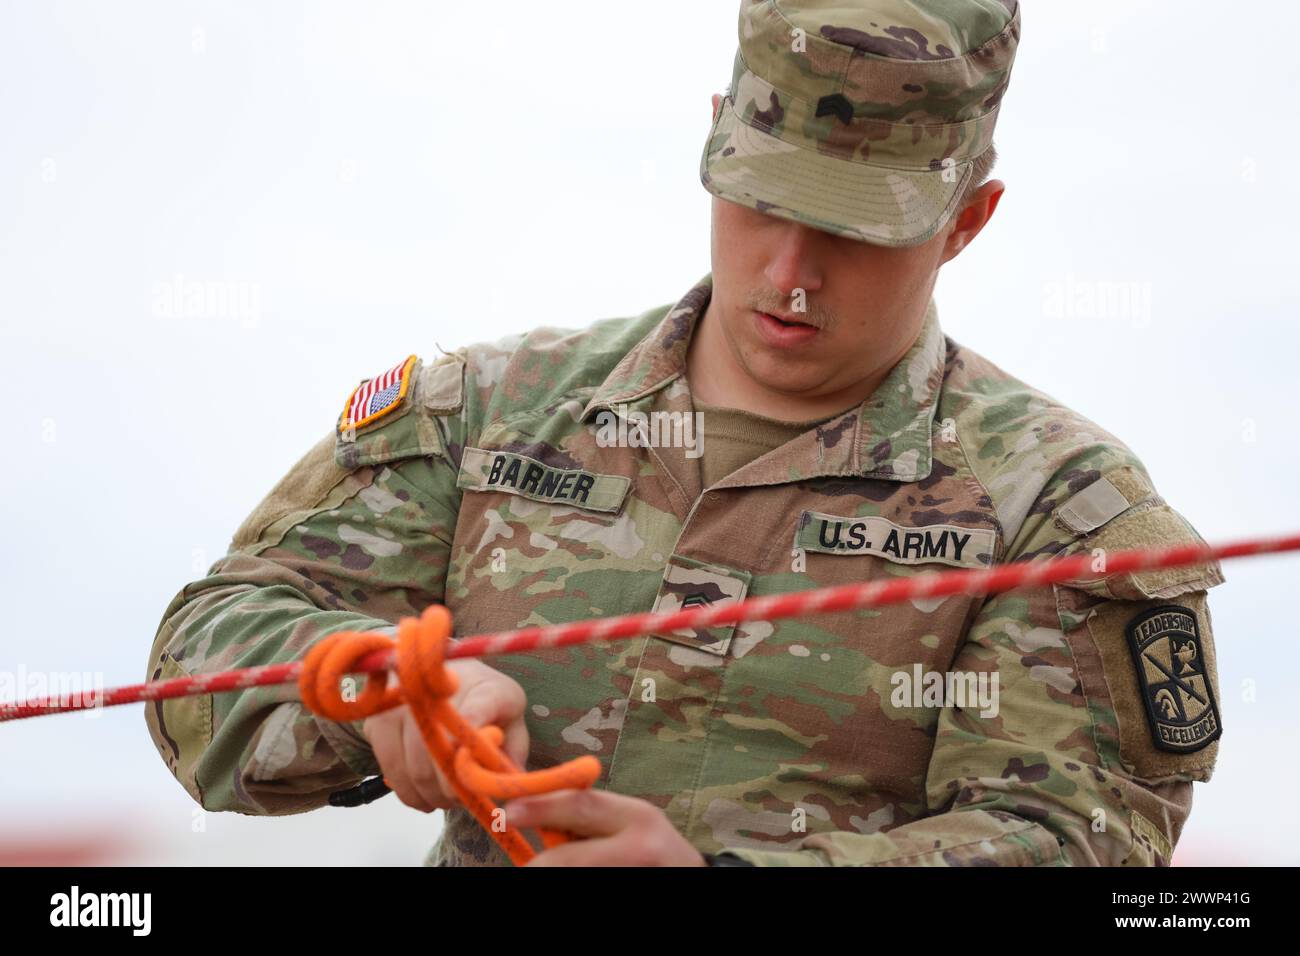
[
  {"x": 784, "y": 331},
  {"x": 788, "y": 320}
]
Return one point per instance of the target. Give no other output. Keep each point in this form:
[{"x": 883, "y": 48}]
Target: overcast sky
[{"x": 367, "y": 180}]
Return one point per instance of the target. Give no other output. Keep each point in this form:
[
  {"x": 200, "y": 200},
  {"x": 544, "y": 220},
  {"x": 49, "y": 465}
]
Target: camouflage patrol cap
[{"x": 861, "y": 117}]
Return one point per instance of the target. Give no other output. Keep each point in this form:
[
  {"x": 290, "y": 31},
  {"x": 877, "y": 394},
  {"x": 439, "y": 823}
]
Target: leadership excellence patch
[
  {"x": 376, "y": 397},
  {"x": 1166, "y": 646}
]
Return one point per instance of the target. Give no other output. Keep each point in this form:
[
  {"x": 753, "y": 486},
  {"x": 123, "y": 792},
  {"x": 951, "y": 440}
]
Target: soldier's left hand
[{"x": 617, "y": 830}]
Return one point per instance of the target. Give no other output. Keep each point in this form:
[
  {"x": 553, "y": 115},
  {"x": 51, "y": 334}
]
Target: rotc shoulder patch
[
  {"x": 1181, "y": 711},
  {"x": 376, "y": 397}
]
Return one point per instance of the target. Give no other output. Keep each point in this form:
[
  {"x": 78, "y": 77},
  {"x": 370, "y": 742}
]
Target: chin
[{"x": 780, "y": 375}]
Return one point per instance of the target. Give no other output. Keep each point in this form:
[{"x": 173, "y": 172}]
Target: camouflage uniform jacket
[{"x": 806, "y": 741}]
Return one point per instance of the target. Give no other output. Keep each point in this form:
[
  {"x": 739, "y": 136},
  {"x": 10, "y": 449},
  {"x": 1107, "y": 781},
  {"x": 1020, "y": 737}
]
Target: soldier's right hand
[{"x": 485, "y": 696}]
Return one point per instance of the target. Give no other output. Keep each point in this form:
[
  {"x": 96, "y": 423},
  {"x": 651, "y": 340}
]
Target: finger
[
  {"x": 604, "y": 851},
  {"x": 497, "y": 703},
  {"x": 421, "y": 770},
  {"x": 392, "y": 761},
  {"x": 491, "y": 702},
  {"x": 516, "y": 742},
  {"x": 449, "y": 797},
  {"x": 584, "y": 812}
]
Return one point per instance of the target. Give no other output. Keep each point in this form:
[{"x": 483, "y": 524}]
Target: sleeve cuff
[
  {"x": 349, "y": 744},
  {"x": 346, "y": 738}
]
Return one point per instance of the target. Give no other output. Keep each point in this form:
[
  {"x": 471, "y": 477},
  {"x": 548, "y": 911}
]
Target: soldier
[{"x": 558, "y": 475}]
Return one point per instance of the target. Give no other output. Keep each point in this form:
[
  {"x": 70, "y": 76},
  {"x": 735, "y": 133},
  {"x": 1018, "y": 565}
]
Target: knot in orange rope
[{"x": 471, "y": 759}]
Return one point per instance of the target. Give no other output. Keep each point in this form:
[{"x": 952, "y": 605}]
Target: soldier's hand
[
  {"x": 485, "y": 696},
  {"x": 620, "y": 830}
]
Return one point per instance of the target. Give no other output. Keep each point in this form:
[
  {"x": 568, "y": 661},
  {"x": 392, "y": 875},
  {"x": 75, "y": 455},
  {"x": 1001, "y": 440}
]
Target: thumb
[
  {"x": 516, "y": 744},
  {"x": 489, "y": 704},
  {"x": 480, "y": 706}
]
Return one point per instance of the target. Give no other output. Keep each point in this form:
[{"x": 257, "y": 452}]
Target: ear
[
  {"x": 717, "y": 98},
  {"x": 973, "y": 218}
]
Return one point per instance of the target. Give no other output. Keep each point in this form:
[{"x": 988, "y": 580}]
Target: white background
[{"x": 386, "y": 180}]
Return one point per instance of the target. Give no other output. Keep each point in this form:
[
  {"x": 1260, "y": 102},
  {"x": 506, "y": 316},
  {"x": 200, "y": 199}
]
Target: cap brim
[{"x": 874, "y": 204}]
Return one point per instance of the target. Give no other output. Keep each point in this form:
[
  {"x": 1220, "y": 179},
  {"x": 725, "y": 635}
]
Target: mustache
[{"x": 813, "y": 313}]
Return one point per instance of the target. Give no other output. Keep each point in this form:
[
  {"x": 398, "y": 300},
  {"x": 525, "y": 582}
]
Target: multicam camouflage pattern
[
  {"x": 779, "y": 741},
  {"x": 861, "y": 119}
]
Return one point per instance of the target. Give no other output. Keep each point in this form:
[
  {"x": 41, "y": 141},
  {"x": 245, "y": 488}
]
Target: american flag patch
[{"x": 377, "y": 396}]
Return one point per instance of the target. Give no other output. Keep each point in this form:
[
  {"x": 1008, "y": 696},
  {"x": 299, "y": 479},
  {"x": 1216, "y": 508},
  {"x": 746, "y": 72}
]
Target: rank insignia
[
  {"x": 1170, "y": 660},
  {"x": 376, "y": 397}
]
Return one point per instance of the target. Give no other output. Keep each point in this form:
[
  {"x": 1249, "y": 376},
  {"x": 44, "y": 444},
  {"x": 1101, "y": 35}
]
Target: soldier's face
[{"x": 851, "y": 310}]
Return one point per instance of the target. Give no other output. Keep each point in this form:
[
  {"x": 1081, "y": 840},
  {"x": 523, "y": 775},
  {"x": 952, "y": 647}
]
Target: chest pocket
[{"x": 562, "y": 540}]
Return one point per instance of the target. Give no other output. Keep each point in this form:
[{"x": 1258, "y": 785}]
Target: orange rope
[{"x": 471, "y": 759}]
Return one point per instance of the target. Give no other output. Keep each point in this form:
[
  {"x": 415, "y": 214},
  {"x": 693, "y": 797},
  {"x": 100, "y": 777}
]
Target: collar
[{"x": 887, "y": 436}]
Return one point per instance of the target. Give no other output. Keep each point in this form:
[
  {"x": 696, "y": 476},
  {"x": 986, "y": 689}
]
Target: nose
[{"x": 793, "y": 263}]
